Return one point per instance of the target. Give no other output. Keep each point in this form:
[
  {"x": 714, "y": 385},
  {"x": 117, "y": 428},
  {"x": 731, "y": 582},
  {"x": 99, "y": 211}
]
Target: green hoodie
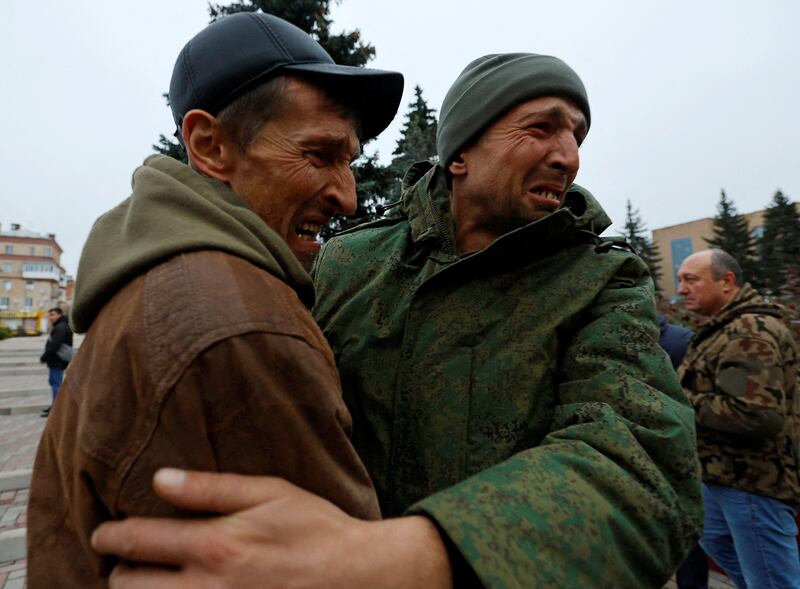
[
  {"x": 516, "y": 395},
  {"x": 174, "y": 209}
]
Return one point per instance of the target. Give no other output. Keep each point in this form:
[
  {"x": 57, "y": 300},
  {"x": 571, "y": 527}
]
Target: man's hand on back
[{"x": 271, "y": 534}]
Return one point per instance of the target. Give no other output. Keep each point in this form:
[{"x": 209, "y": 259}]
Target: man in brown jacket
[{"x": 200, "y": 351}]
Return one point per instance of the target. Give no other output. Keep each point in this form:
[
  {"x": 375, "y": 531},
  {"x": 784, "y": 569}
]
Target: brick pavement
[{"x": 19, "y": 438}]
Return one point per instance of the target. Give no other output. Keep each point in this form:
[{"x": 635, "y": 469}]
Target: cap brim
[{"x": 374, "y": 94}]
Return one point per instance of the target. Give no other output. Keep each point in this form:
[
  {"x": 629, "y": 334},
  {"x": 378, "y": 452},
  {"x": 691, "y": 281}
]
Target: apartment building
[
  {"x": 676, "y": 242},
  {"x": 31, "y": 278}
]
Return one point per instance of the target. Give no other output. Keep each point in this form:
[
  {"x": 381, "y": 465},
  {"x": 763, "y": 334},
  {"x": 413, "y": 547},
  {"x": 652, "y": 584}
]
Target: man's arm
[
  {"x": 276, "y": 532},
  {"x": 611, "y": 497},
  {"x": 748, "y": 400}
]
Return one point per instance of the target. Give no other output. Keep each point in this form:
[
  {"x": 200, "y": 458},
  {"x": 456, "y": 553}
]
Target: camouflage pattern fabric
[
  {"x": 517, "y": 395},
  {"x": 740, "y": 373}
]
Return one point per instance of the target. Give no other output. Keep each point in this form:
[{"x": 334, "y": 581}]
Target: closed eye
[{"x": 317, "y": 157}]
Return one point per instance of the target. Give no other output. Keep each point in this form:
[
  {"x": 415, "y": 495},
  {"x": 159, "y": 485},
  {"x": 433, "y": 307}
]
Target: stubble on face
[
  {"x": 519, "y": 170},
  {"x": 296, "y": 173}
]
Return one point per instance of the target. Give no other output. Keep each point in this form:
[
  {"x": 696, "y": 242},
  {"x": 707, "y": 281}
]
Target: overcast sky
[{"x": 687, "y": 97}]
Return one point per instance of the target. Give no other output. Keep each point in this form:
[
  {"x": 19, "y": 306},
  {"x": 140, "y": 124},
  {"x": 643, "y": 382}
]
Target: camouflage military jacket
[
  {"x": 740, "y": 373},
  {"x": 517, "y": 395}
]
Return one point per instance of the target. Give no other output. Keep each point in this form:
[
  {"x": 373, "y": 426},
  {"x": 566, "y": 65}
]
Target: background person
[
  {"x": 740, "y": 374},
  {"x": 60, "y": 335}
]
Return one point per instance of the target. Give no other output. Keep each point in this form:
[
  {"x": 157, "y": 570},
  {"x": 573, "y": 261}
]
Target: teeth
[
  {"x": 546, "y": 194},
  {"x": 308, "y": 231}
]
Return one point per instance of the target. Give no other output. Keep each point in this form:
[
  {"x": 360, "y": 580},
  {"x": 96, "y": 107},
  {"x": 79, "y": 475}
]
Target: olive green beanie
[{"x": 493, "y": 84}]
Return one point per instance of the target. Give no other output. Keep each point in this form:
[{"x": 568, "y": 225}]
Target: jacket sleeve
[
  {"x": 232, "y": 411},
  {"x": 611, "y": 497},
  {"x": 747, "y": 399}
]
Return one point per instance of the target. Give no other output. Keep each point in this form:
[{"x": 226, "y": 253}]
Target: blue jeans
[
  {"x": 54, "y": 377},
  {"x": 752, "y": 537}
]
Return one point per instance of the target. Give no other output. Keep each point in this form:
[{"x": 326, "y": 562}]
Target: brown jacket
[{"x": 203, "y": 362}]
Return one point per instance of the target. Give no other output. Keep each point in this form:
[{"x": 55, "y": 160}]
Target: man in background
[
  {"x": 57, "y": 352},
  {"x": 740, "y": 374}
]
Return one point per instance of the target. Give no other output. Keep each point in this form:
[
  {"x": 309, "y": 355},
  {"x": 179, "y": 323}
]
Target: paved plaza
[{"x": 23, "y": 394}]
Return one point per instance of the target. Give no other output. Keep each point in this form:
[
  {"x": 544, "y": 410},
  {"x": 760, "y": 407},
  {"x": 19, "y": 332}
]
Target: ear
[
  {"x": 458, "y": 167},
  {"x": 208, "y": 146},
  {"x": 728, "y": 281}
]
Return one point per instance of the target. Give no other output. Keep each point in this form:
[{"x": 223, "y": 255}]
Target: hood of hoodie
[
  {"x": 426, "y": 203},
  {"x": 174, "y": 209}
]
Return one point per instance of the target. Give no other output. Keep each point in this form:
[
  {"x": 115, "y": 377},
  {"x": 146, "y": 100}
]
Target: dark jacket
[
  {"x": 516, "y": 395},
  {"x": 60, "y": 334},
  {"x": 740, "y": 373},
  {"x": 206, "y": 360},
  {"x": 675, "y": 340}
]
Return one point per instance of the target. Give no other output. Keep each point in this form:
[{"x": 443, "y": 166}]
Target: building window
[
  {"x": 9, "y": 249},
  {"x": 29, "y": 285},
  {"x": 8, "y": 267},
  {"x": 29, "y": 303},
  {"x": 7, "y": 285},
  {"x": 32, "y": 250},
  {"x": 3, "y": 302},
  {"x": 37, "y": 267},
  {"x": 48, "y": 251},
  {"x": 681, "y": 249}
]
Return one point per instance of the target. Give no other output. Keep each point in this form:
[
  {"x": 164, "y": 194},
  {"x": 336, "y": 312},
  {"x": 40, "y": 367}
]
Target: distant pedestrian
[
  {"x": 740, "y": 374},
  {"x": 57, "y": 352},
  {"x": 693, "y": 572}
]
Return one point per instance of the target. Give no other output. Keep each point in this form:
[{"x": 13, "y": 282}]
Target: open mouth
[
  {"x": 547, "y": 194},
  {"x": 308, "y": 231}
]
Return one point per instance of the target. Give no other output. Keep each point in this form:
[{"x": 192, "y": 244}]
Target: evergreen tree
[
  {"x": 636, "y": 236},
  {"x": 379, "y": 186},
  {"x": 418, "y": 138},
  {"x": 732, "y": 234},
  {"x": 779, "y": 246},
  {"x": 312, "y": 16},
  {"x": 167, "y": 146}
]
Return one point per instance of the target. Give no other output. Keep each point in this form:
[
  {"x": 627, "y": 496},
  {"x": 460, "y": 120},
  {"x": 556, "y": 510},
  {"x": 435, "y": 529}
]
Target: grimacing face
[
  {"x": 701, "y": 293},
  {"x": 296, "y": 173},
  {"x": 520, "y": 167}
]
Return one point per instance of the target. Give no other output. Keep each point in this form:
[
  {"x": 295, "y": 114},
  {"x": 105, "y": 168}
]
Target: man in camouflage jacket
[
  {"x": 740, "y": 373},
  {"x": 505, "y": 379}
]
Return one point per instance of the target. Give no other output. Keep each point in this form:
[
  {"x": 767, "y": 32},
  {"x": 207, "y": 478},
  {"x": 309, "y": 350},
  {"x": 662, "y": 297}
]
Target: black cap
[{"x": 238, "y": 52}]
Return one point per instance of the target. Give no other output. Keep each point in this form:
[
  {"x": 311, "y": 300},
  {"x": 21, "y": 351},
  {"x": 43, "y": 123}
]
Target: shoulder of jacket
[
  {"x": 218, "y": 291},
  {"x": 383, "y": 223}
]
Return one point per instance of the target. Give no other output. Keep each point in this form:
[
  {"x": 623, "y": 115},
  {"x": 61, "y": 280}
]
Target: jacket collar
[{"x": 747, "y": 300}]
